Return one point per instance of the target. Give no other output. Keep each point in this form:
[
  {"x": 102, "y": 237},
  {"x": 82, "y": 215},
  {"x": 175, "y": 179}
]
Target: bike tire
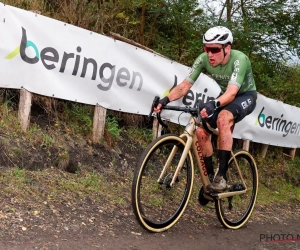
[
  {"x": 157, "y": 206},
  {"x": 235, "y": 216}
]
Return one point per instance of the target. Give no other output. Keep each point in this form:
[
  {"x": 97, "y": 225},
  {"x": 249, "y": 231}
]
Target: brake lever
[{"x": 154, "y": 104}]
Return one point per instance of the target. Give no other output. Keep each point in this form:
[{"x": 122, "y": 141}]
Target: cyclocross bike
[{"x": 163, "y": 180}]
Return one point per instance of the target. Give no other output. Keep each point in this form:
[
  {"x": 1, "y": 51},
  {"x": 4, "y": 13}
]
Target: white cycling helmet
[{"x": 218, "y": 34}]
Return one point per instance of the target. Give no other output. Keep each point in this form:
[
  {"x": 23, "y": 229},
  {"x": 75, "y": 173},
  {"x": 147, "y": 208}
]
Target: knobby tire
[{"x": 156, "y": 205}]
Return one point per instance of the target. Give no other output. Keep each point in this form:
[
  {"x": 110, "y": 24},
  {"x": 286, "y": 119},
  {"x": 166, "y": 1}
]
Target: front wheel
[
  {"x": 233, "y": 212},
  {"x": 157, "y": 205}
]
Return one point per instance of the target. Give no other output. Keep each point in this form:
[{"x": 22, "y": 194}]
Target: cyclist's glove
[
  {"x": 164, "y": 101},
  {"x": 210, "y": 107}
]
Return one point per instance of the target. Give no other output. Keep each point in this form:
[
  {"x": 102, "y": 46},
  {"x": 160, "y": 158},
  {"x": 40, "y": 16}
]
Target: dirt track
[{"x": 120, "y": 231}]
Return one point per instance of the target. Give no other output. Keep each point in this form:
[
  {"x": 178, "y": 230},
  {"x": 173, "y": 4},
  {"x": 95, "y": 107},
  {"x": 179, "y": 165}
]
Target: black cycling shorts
[{"x": 242, "y": 105}]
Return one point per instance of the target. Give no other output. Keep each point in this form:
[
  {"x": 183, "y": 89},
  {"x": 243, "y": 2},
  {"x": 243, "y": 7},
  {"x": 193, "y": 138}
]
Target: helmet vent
[
  {"x": 215, "y": 38},
  {"x": 224, "y": 37}
]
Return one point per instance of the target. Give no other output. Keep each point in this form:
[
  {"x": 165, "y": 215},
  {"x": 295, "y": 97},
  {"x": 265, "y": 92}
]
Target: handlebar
[{"x": 193, "y": 111}]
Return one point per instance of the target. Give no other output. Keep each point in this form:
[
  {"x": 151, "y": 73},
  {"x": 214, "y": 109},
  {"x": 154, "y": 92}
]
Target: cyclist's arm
[
  {"x": 183, "y": 88},
  {"x": 176, "y": 93},
  {"x": 180, "y": 90},
  {"x": 229, "y": 95}
]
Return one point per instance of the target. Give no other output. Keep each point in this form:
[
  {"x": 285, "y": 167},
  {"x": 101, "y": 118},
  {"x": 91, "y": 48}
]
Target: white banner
[
  {"x": 272, "y": 122},
  {"x": 52, "y": 58}
]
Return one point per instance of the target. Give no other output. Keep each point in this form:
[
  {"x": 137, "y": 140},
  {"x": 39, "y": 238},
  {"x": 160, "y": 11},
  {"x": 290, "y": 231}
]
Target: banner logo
[
  {"x": 106, "y": 73},
  {"x": 277, "y": 124}
]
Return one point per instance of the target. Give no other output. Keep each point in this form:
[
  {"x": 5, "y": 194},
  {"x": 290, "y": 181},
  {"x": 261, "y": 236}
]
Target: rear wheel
[
  {"x": 233, "y": 212},
  {"x": 157, "y": 205}
]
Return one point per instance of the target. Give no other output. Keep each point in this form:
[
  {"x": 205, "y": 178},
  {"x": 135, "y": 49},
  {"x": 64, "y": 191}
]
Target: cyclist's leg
[
  {"x": 232, "y": 113},
  {"x": 224, "y": 123}
]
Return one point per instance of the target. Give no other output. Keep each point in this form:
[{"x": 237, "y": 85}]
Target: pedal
[
  {"x": 215, "y": 195},
  {"x": 212, "y": 195},
  {"x": 236, "y": 187},
  {"x": 201, "y": 198}
]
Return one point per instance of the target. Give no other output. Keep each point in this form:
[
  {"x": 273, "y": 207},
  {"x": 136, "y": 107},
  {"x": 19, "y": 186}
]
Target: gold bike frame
[{"x": 190, "y": 138}]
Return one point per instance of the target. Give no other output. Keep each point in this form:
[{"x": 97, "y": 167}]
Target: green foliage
[
  {"x": 142, "y": 135},
  {"x": 79, "y": 117},
  {"x": 33, "y": 129},
  {"x": 90, "y": 181},
  {"x": 9, "y": 120},
  {"x": 178, "y": 33},
  {"x": 292, "y": 172},
  {"x": 279, "y": 177},
  {"x": 278, "y": 193},
  {"x": 48, "y": 141},
  {"x": 277, "y": 81},
  {"x": 112, "y": 127},
  {"x": 19, "y": 173},
  {"x": 5, "y": 110}
]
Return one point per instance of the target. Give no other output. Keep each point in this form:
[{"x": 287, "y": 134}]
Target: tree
[
  {"x": 265, "y": 27},
  {"x": 179, "y": 30}
]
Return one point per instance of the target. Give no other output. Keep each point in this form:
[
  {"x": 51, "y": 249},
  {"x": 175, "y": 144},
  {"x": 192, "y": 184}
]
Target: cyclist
[{"x": 231, "y": 69}]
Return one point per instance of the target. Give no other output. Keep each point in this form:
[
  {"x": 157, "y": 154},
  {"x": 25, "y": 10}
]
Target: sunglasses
[{"x": 212, "y": 50}]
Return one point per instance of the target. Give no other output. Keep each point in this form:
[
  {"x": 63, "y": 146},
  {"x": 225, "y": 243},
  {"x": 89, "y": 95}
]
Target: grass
[
  {"x": 286, "y": 193},
  {"x": 279, "y": 177},
  {"x": 52, "y": 184},
  {"x": 22, "y": 183},
  {"x": 142, "y": 136}
]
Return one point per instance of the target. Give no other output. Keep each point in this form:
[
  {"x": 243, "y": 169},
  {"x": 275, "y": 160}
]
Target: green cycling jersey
[{"x": 236, "y": 71}]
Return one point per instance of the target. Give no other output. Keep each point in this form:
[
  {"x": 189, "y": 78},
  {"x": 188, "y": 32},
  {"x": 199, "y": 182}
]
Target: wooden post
[
  {"x": 98, "y": 123},
  {"x": 156, "y": 128},
  {"x": 292, "y": 153},
  {"x": 24, "y": 109},
  {"x": 264, "y": 150},
  {"x": 246, "y": 145},
  {"x": 159, "y": 130}
]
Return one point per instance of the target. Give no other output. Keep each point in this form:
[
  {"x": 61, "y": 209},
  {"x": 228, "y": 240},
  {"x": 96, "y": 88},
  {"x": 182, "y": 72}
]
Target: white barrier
[{"x": 52, "y": 58}]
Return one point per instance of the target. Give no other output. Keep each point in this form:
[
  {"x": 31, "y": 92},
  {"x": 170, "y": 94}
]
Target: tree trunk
[
  {"x": 229, "y": 9},
  {"x": 142, "y": 26}
]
